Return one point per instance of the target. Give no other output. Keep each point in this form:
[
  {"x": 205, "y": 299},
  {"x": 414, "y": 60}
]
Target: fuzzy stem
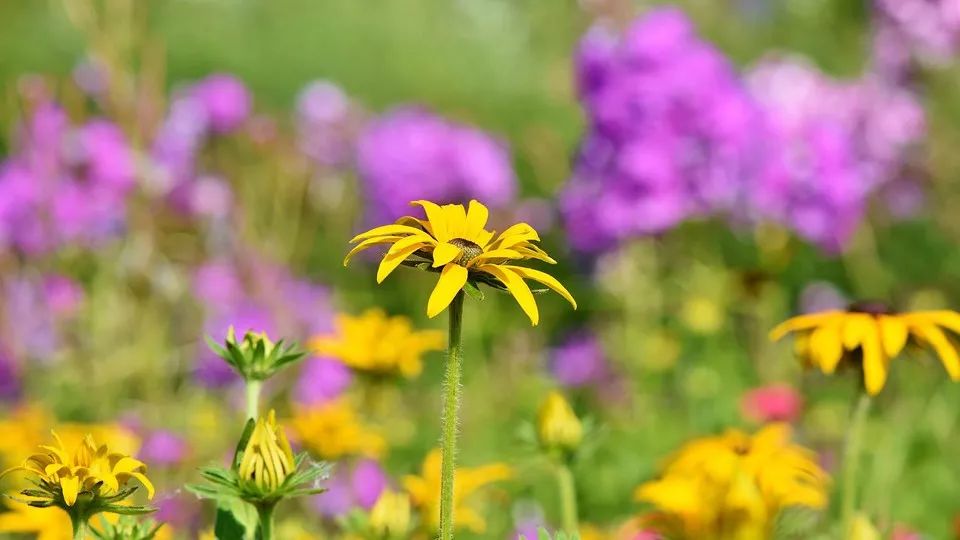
[
  {"x": 253, "y": 398},
  {"x": 265, "y": 518},
  {"x": 568, "y": 499},
  {"x": 451, "y": 407},
  {"x": 851, "y": 461},
  {"x": 79, "y": 526}
]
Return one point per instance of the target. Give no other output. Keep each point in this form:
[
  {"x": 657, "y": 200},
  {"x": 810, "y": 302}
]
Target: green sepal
[
  {"x": 473, "y": 290},
  {"x": 242, "y": 443}
]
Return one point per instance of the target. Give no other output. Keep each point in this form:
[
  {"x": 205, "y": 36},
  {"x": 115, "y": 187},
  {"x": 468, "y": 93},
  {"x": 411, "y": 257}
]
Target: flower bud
[
  {"x": 557, "y": 424},
  {"x": 255, "y": 357},
  {"x": 267, "y": 459}
]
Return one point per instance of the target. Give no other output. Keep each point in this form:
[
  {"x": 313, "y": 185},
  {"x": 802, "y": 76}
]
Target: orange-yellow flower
[
  {"x": 378, "y": 344},
  {"x": 424, "y": 490},
  {"x": 873, "y": 335},
  {"x": 333, "y": 430},
  {"x": 455, "y": 241},
  {"x": 733, "y": 486}
]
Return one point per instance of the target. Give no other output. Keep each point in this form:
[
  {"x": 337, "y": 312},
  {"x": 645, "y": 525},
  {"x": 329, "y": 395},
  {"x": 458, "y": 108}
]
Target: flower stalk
[
  {"x": 253, "y": 387},
  {"x": 265, "y": 520},
  {"x": 851, "y": 461},
  {"x": 566, "y": 487},
  {"x": 451, "y": 408}
]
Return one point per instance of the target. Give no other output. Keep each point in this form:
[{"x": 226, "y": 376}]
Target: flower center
[
  {"x": 870, "y": 307},
  {"x": 468, "y": 251}
]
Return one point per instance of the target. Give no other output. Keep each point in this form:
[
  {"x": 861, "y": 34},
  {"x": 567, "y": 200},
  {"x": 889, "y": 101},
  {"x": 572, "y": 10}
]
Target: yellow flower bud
[
  {"x": 267, "y": 459},
  {"x": 390, "y": 516},
  {"x": 557, "y": 424}
]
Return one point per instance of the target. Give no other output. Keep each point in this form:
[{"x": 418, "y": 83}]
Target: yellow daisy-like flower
[
  {"x": 873, "y": 335},
  {"x": 733, "y": 486},
  {"x": 267, "y": 460},
  {"x": 378, "y": 344},
  {"x": 333, "y": 430},
  {"x": 424, "y": 491},
  {"x": 64, "y": 477},
  {"x": 455, "y": 241}
]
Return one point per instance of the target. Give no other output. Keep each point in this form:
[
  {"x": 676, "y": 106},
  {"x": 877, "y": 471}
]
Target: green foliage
[
  {"x": 127, "y": 528},
  {"x": 543, "y": 534}
]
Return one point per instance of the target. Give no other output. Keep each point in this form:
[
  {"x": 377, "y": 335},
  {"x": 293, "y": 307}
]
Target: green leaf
[
  {"x": 473, "y": 291},
  {"x": 236, "y": 520}
]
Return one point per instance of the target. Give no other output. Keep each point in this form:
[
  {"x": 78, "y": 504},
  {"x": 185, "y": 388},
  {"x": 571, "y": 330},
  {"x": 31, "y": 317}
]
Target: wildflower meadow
[{"x": 486, "y": 269}]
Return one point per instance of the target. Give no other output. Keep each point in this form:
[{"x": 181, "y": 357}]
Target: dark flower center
[
  {"x": 468, "y": 250},
  {"x": 870, "y": 307}
]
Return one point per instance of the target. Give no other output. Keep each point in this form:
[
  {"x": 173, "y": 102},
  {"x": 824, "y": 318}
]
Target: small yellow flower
[
  {"x": 333, "y": 430},
  {"x": 424, "y": 490},
  {"x": 557, "y": 424},
  {"x": 390, "y": 516},
  {"x": 64, "y": 476},
  {"x": 378, "y": 344},
  {"x": 267, "y": 459},
  {"x": 732, "y": 486},
  {"x": 454, "y": 240},
  {"x": 872, "y": 335},
  {"x": 862, "y": 529}
]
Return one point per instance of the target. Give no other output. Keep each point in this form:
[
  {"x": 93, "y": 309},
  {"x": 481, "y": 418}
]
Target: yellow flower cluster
[
  {"x": 333, "y": 430},
  {"x": 378, "y": 344},
  {"x": 872, "y": 335},
  {"x": 66, "y": 475},
  {"x": 424, "y": 491},
  {"x": 732, "y": 486}
]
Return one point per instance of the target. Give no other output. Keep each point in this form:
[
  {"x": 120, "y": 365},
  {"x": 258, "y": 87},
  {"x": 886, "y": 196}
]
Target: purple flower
[
  {"x": 327, "y": 124},
  {"x": 10, "y": 387},
  {"x": 224, "y": 99},
  {"x": 672, "y": 133},
  {"x": 579, "y": 360},
  {"x": 163, "y": 448},
  {"x": 928, "y": 28},
  {"x": 352, "y": 487},
  {"x": 63, "y": 295},
  {"x": 321, "y": 380},
  {"x": 411, "y": 154}
]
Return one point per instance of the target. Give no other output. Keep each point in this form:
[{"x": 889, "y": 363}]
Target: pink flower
[
  {"x": 904, "y": 532},
  {"x": 773, "y": 403}
]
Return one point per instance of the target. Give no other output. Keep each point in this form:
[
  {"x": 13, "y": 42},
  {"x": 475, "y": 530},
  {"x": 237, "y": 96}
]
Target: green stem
[
  {"x": 265, "y": 515},
  {"x": 253, "y": 398},
  {"x": 79, "y": 526},
  {"x": 851, "y": 462},
  {"x": 568, "y": 499},
  {"x": 451, "y": 407}
]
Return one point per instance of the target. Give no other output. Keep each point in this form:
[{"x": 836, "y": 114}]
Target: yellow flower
[
  {"x": 732, "y": 486},
  {"x": 44, "y": 523},
  {"x": 455, "y": 240},
  {"x": 64, "y": 476},
  {"x": 332, "y": 430},
  {"x": 862, "y": 529},
  {"x": 871, "y": 334},
  {"x": 390, "y": 516},
  {"x": 379, "y": 344},
  {"x": 424, "y": 490},
  {"x": 267, "y": 460},
  {"x": 557, "y": 424}
]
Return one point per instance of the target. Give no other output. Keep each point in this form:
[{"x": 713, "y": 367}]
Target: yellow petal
[
  {"x": 546, "y": 279},
  {"x": 874, "y": 361},
  {"x": 495, "y": 254},
  {"x": 366, "y": 244},
  {"x": 389, "y": 230},
  {"x": 456, "y": 217},
  {"x": 803, "y": 322},
  {"x": 855, "y": 328},
  {"x": 825, "y": 347},
  {"x": 444, "y": 253},
  {"x": 893, "y": 333},
  {"x": 941, "y": 344},
  {"x": 452, "y": 278},
  {"x": 146, "y": 483},
  {"x": 517, "y": 287},
  {"x": 70, "y": 485},
  {"x": 435, "y": 216},
  {"x": 477, "y": 215},
  {"x": 395, "y": 257}
]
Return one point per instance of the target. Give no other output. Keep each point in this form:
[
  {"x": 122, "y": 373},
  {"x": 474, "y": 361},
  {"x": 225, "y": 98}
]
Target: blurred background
[{"x": 701, "y": 170}]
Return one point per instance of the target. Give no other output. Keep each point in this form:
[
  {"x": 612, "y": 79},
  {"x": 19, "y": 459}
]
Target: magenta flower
[
  {"x": 353, "y": 487},
  {"x": 773, "y": 403},
  {"x": 579, "y": 361},
  {"x": 321, "y": 380},
  {"x": 164, "y": 448},
  {"x": 225, "y": 101}
]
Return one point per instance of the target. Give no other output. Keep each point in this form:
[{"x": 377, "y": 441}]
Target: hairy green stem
[
  {"x": 79, "y": 526},
  {"x": 451, "y": 408},
  {"x": 851, "y": 462},
  {"x": 265, "y": 518},
  {"x": 568, "y": 499},
  {"x": 253, "y": 398}
]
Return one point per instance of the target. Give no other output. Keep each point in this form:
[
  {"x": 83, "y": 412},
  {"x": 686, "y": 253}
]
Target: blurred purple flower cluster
[
  {"x": 64, "y": 184},
  {"x": 220, "y": 104},
  {"x": 350, "y": 487},
  {"x": 411, "y": 154},
  {"x": 328, "y": 123},
  {"x": 928, "y": 30},
  {"x": 672, "y": 132},
  {"x": 257, "y": 296},
  {"x": 676, "y": 133},
  {"x": 34, "y": 310}
]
